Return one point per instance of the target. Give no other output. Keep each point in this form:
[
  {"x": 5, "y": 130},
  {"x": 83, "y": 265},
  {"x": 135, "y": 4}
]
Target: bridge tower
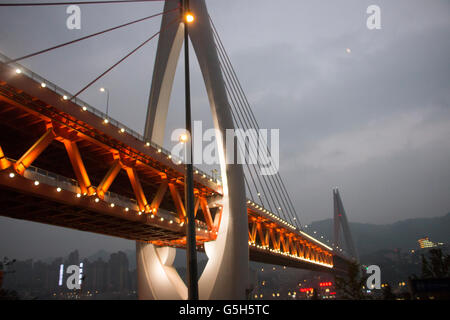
[
  {"x": 341, "y": 222},
  {"x": 226, "y": 273}
]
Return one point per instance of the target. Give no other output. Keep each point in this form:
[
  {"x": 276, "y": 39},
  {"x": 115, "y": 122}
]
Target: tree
[
  {"x": 436, "y": 266},
  {"x": 426, "y": 270},
  {"x": 387, "y": 293},
  {"x": 352, "y": 286},
  {"x": 8, "y": 295},
  {"x": 315, "y": 294}
]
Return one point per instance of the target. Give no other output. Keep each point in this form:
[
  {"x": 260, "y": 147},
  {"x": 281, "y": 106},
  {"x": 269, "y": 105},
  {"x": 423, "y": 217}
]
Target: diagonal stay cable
[
  {"x": 240, "y": 122},
  {"x": 237, "y": 120},
  {"x": 272, "y": 181},
  {"x": 248, "y": 149},
  {"x": 266, "y": 190},
  {"x": 125, "y": 57},
  {"x": 89, "y": 36},
  {"x": 250, "y": 193},
  {"x": 250, "y": 114},
  {"x": 245, "y": 177},
  {"x": 244, "y": 124},
  {"x": 278, "y": 181},
  {"x": 30, "y": 4},
  {"x": 231, "y": 91}
]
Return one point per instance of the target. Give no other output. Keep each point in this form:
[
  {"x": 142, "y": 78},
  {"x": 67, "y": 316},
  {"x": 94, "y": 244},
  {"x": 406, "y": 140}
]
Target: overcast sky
[{"x": 375, "y": 122}]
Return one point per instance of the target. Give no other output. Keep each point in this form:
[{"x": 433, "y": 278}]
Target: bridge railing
[
  {"x": 87, "y": 107},
  {"x": 72, "y": 185},
  {"x": 68, "y": 184}
]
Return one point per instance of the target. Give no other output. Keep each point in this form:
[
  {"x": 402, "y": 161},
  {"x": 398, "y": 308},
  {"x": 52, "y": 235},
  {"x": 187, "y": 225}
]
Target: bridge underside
[
  {"x": 19, "y": 200},
  {"x": 26, "y": 112},
  {"x": 71, "y": 212},
  {"x": 258, "y": 255}
]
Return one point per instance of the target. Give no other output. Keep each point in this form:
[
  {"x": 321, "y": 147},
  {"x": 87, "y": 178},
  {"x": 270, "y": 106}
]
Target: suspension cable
[
  {"x": 249, "y": 150},
  {"x": 125, "y": 57},
  {"x": 273, "y": 186},
  {"x": 238, "y": 120},
  {"x": 246, "y": 112},
  {"x": 29, "y": 4},
  {"x": 278, "y": 183},
  {"x": 88, "y": 36},
  {"x": 262, "y": 181},
  {"x": 247, "y": 126},
  {"x": 242, "y": 150},
  {"x": 244, "y": 124}
]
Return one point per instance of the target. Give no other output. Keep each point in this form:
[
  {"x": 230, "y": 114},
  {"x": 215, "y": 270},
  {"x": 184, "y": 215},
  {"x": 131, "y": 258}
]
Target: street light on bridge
[
  {"x": 189, "y": 17},
  {"x": 107, "y": 102},
  {"x": 191, "y": 242},
  {"x": 183, "y": 138}
]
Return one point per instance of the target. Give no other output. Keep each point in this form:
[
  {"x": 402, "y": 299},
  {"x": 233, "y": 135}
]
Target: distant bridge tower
[
  {"x": 340, "y": 221},
  {"x": 226, "y": 273}
]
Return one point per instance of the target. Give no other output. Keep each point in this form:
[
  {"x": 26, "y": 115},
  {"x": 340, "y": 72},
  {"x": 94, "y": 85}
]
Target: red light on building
[
  {"x": 325, "y": 284},
  {"x": 306, "y": 289}
]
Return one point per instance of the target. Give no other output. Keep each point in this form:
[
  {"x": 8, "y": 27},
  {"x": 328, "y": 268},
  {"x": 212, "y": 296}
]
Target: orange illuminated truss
[
  {"x": 114, "y": 175},
  {"x": 268, "y": 235}
]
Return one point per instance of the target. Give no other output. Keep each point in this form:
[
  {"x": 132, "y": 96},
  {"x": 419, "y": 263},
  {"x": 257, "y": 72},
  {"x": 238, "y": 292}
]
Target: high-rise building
[
  {"x": 118, "y": 272},
  {"x": 427, "y": 243}
]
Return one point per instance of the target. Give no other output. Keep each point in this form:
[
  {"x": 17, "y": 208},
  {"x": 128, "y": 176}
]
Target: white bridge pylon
[
  {"x": 340, "y": 221},
  {"x": 226, "y": 273}
]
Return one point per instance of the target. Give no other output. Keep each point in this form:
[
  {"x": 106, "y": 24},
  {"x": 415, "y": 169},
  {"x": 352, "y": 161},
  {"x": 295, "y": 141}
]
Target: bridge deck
[{"x": 29, "y": 110}]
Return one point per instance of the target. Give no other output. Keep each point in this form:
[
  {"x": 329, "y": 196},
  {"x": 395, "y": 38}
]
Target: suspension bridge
[{"x": 65, "y": 163}]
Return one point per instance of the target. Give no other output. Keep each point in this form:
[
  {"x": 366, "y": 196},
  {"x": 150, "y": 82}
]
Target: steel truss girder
[
  {"x": 67, "y": 137},
  {"x": 281, "y": 240}
]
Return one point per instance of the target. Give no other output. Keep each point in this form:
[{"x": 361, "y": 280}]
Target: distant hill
[
  {"x": 402, "y": 234},
  {"x": 369, "y": 238}
]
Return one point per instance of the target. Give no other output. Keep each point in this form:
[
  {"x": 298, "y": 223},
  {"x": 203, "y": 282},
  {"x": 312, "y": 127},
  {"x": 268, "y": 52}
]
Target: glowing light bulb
[
  {"x": 183, "y": 138},
  {"x": 189, "y": 17}
]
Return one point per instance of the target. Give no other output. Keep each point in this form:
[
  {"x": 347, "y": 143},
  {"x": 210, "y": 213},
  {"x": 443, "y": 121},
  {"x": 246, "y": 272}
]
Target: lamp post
[
  {"x": 107, "y": 101},
  {"x": 191, "y": 243}
]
